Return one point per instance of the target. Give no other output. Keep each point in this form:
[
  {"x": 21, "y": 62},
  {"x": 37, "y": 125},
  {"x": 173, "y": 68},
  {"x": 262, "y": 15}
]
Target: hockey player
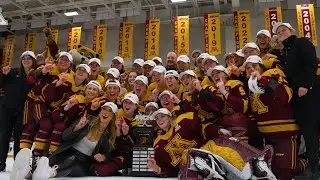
[{"x": 173, "y": 83}]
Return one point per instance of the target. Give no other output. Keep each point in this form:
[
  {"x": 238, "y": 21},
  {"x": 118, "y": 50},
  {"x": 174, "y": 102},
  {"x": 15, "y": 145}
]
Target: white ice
[{"x": 5, "y": 175}]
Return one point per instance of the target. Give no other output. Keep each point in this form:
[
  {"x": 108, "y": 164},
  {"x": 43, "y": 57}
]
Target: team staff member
[
  {"x": 180, "y": 133},
  {"x": 171, "y": 61},
  {"x": 273, "y": 112},
  {"x": 16, "y": 88},
  {"x": 300, "y": 66}
]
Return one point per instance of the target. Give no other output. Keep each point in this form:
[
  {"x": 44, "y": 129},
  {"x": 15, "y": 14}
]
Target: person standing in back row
[
  {"x": 16, "y": 88},
  {"x": 300, "y": 66}
]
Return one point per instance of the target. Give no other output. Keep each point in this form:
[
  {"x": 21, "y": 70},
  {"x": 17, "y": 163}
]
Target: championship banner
[
  {"x": 126, "y": 40},
  {"x": 8, "y": 50},
  {"x": 212, "y": 33},
  {"x": 306, "y": 22},
  {"x": 152, "y": 34},
  {"x": 74, "y": 37},
  {"x": 242, "y": 28},
  {"x": 181, "y": 35},
  {"x": 30, "y": 42},
  {"x": 99, "y": 40},
  {"x": 55, "y": 33},
  {"x": 272, "y": 16}
]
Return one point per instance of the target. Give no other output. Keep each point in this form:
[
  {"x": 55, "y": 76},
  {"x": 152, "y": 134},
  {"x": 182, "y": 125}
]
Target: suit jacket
[{"x": 70, "y": 137}]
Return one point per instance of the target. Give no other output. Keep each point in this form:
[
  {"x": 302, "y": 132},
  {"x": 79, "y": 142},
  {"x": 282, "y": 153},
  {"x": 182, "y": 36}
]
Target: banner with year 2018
[
  {"x": 99, "y": 40},
  {"x": 272, "y": 16},
  {"x": 30, "y": 42},
  {"x": 74, "y": 37},
  {"x": 306, "y": 22},
  {"x": 8, "y": 50},
  {"x": 126, "y": 40},
  {"x": 152, "y": 35},
  {"x": 212, "y": 34},
  {"x": 242, "y": 28},
  {"x": 181, "y": 35}
]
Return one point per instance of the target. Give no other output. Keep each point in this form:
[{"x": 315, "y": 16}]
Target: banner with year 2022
[
  {"x": 242, "y": 28},
  {"x": 306, "y": 22},
  {"x": 212, "y": 33},
  {"x": 99, "y": 40},
  {"x": 126, "y": 40},
  {"x": 152, "y": 38},
  {"x": 272, "y": 16},
  {"x": 181, "y": 35},
  {"x": 74, "y": 37}
]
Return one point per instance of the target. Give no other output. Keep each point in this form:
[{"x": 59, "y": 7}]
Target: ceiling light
[
  {"x": 73, "y": 13},
  {"x": 175, "y": 1}
]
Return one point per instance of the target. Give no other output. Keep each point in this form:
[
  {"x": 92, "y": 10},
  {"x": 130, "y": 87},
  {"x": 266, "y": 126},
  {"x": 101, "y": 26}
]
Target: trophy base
[{"x": 140, "y": 161}]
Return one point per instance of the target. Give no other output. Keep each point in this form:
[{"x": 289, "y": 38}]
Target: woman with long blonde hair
[{"x": 88, "y": 141}]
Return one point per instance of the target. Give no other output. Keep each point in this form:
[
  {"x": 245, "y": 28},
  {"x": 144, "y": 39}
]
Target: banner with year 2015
[
  {"x": 126, "y": 40},
  {"x": 272, "y": 16},
  {"x": 306, "y": 22},
  {"x": 152, "y": 35},
  {"x": 74, "y": 37},
  {"x": 30, "y": 42},
  {"x": 212, "y": 33},
  {"x": 8, "y": 50},
  {"x": 181, "y": 35},
  {"x": 99, "y": 40},
  {"x": 242, "y": 28}
]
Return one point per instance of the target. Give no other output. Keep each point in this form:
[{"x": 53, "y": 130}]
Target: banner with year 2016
[
  {"x": 74, "y": 37},
  {"x": 272, "y": 16},
  {"x": 242, "y": 28},
  {"x": 306, "y": 22},
  {"x": 181, "y": 35},
  {"x": 212, "y": 34},
  {"x": 99, "y": 40}
]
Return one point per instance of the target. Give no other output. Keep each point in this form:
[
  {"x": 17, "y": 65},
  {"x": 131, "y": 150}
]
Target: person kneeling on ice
[{"x": 88, "y": 141}]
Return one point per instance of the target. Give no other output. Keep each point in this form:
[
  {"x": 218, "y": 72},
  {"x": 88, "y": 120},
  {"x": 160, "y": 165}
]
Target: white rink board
[{"x": 5, "y": 175}]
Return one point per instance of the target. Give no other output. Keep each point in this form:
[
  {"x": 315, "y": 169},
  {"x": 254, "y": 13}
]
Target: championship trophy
[{"x": 143, "y": 135}]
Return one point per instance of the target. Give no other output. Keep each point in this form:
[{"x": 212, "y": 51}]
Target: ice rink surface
[{"x": 5, "y": 175}]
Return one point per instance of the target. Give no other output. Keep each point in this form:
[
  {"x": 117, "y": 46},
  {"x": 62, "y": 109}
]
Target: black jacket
[
  {"x": 71, "y": 137},
  {"x": 300, "y": 62},
  {"x": 16, "y": 88}
]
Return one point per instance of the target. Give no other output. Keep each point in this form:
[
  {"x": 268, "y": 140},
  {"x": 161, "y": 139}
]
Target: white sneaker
[
  {"x": 43, "y": 170},
  {"x": 21, "y": 167}
]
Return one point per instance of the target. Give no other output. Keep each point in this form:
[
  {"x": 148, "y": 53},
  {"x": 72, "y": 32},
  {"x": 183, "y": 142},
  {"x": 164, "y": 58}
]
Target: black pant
[
  {"x": 10, "y": 120},
  {"x": 306, "y": 109}
]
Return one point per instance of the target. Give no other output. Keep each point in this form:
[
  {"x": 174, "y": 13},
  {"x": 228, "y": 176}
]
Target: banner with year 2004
[
  {"x": 242, "y": 28},
  {"x": 126, "y": 40},
  {"x": 181, "y": 35},
  {"x": 306, "y": 22},
  {"x": 8, "y": 50},
  {"x": 212, "y": 33},
  {"x": 272, "y": 16},
  {"x": 74, "y": 37},
  {"x": 152, "y": 34},
  {"x": 30, "y": 42},
  {"x": 99, "y": 40}
]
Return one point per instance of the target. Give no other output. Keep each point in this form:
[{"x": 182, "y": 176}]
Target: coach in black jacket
[{"x": 300, "y": 67}]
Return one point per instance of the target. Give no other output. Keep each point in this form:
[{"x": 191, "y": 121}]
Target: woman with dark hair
[
  {"x": 16, "y": 87},
  {"x": 88, "y": 142},
  {"x": 300, "y": 67}
]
